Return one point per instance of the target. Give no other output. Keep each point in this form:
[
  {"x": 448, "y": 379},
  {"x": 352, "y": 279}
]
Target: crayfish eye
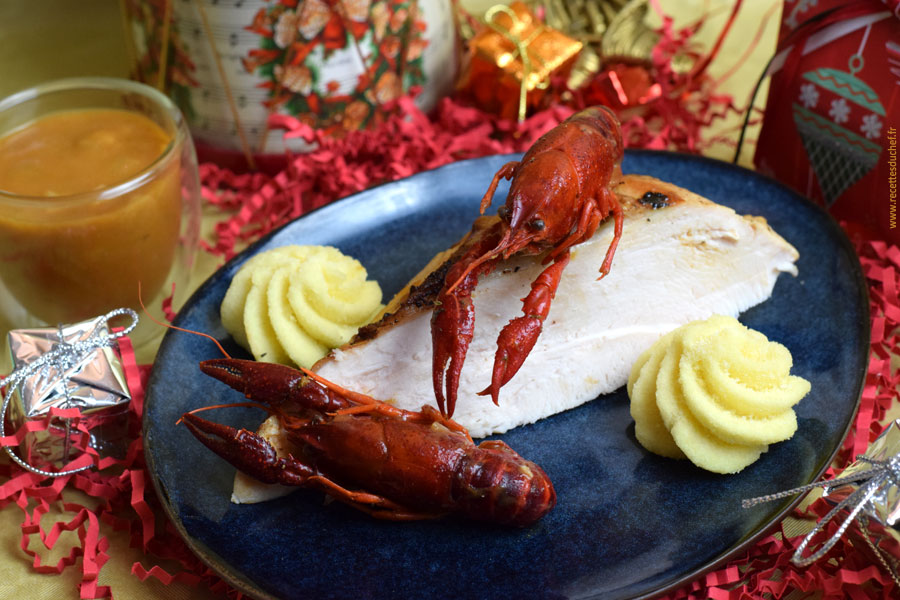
[
  {"x": 503, "y": 213},
  {"x": 536, "y": 224}
]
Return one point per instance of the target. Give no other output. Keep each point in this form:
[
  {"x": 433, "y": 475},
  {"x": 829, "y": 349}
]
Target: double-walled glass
[{"x": 64, "y": 259}]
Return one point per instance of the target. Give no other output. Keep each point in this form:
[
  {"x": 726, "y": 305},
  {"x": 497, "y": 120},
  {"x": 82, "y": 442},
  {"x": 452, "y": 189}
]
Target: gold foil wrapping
[
  {"x": 612, "y": 31},
  {"x": 511, "y": 61},
  {"x": 616, "y": 35}
]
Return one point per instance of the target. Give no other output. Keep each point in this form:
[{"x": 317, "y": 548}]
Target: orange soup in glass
[{"x": 98, "y": 193}]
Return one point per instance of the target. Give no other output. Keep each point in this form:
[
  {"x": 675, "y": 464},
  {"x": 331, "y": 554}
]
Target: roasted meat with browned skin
[{"x": 681, "y": 258}]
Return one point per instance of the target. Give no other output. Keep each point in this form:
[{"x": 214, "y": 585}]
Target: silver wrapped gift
[
  {"x": 869, "y": 492},
  {"x": 865, "y": 499},
  {"x": 79, "y": 367}
]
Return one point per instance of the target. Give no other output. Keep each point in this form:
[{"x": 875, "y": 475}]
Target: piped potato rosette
[
  {"x": 295, "y": 303},
  {"x": 714, "y": 392}
]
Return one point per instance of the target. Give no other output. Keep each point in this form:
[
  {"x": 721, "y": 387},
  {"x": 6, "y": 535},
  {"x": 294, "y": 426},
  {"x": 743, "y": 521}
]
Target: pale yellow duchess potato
[
  {"x": 260, "y": 307},
  {"x": 261, "y": 337},
  {"x": 232, "y": 309},
  {"x": 716, "y": 391},
  {"x": 763, "y": 399},
  {"x": 302, "y": 349},
  {"x": 339, "y": 290},
  {"x": 649, "y": 428},
  {"x": 322, "y": 296},
  {"x": 747, "y": 373},
  {"x": 698, "y": 444},
  {"x": 726, "y": 425}
]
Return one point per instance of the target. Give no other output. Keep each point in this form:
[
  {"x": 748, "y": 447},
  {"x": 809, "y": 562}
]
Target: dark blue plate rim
[{"x": 240, "y": 582}]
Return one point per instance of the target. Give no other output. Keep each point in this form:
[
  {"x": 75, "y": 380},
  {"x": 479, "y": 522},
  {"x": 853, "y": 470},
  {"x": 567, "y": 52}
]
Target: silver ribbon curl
[
  {"x": 881, "y": 474},
  {"x": 63, "y": 356}
]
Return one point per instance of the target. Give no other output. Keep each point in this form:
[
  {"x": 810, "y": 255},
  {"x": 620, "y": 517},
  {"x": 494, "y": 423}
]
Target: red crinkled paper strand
[
  {"x": 407, "y": 143},
  {"x": 845, "y": 572},
  {"x": 126, "y": 503}
]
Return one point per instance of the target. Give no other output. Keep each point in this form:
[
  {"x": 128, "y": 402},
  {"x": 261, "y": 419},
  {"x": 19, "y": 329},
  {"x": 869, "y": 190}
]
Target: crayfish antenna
[
  {"x": 175, "y": 327},
  {"x": 356, "y": 397},
  {"x": 488, "y": 255},
  {"x": 268, "y": 409}
]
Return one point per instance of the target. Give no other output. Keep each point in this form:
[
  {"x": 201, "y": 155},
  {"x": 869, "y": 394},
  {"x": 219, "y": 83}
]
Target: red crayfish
[
  {"x": 388, "y": 462},
  {"x": 559, "y": 194}
]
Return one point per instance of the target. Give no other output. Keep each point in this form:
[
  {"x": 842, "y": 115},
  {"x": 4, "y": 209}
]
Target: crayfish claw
[
  {"x": 223, "y": 439},
  {"x": 247, "y": 451},
  {"x": 514, "y": 344},
  {"x": 269, "y": 383},
  {"x": 452, "y": 328}
]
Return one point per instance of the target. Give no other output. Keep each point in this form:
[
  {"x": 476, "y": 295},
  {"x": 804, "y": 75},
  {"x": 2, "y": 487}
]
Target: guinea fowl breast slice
[{"x": 681, "y": 258}]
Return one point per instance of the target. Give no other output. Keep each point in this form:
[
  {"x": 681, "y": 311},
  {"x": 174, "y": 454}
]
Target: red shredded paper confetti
[
  {"x": 844, "y": 572},
  {"x": 126, "y": 503},
  {"x": 122, "y": 498},
  {"x": 409, "y": 142}
]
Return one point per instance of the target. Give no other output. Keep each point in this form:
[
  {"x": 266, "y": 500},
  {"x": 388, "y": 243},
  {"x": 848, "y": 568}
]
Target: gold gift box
[{"x": 511, "y": 61}]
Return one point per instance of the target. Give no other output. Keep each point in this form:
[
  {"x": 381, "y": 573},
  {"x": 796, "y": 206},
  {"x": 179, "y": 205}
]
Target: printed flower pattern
[
  {"x": 358, "y": 10},
  {"x": 286, "y": 29},
  {"x": 387, "y": 87},
  {"x": 809, "y": 95},
  {"x": 296, "y": 78},
  {"x": 380, "y": 17},
  {"x": 840, "y": 111},
  {"x": 871, "y": 126},
  {"x": 383, "y": 38},
  {"x": 355, "y": 114},
  {"x": 313, "y": 16}
]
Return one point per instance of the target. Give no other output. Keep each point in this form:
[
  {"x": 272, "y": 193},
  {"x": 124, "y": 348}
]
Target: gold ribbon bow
[{"x": 513, "y": 35}]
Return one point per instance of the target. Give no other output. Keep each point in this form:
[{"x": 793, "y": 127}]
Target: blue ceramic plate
[{"x": 627, "y": 524}]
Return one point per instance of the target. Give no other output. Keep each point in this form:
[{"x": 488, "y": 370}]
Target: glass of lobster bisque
[{"x": 99, "y": 192}]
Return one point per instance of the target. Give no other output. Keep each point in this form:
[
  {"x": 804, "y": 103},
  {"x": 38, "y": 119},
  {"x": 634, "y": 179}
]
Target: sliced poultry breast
[{"x": 681, "y": 258}]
